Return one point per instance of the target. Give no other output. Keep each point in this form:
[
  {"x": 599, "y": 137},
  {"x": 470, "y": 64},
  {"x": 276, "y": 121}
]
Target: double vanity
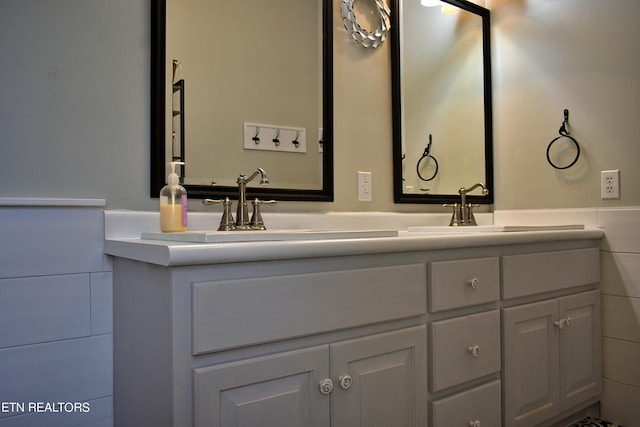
[{"x": 408, "y": 328}]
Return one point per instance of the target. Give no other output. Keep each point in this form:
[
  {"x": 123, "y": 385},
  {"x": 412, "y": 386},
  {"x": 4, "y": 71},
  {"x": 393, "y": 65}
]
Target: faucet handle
[
  {"x": 471, "y": 219},
  {"x": 226, "y": 222},
  {"x": 256, "y": 217},
  {"x": 456, "y": 218}
]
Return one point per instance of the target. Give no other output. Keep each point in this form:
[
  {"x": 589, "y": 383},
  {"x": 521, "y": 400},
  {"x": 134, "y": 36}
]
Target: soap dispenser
[{"x": 173, "y": 203}]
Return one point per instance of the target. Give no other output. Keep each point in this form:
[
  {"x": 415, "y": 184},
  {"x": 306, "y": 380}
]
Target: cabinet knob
[
  {"x": 475, "y": 350},
  {"x": 326, "y": 386},
  {"x": 346, "y": 381},
  {"x": 475, "y": 423},
  {"x": 560, "y": 324},
  {"x": 474, "y": 283},
  {"x": 568, "y": 322}
]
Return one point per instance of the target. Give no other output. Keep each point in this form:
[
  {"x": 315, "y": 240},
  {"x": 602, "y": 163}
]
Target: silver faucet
[
  {"x": 242, "y": 213},
  {"x": 463, "y": 212}
]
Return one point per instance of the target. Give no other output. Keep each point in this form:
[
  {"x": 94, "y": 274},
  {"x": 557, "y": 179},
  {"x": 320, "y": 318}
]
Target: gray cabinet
[
  {"x": 272, "y": 391},
  {"x": 551, "y": 357},
  {"x": 511, "y": 336},
  {"x": 270, "y": 344},
  {"x": 378, "y": 380}
]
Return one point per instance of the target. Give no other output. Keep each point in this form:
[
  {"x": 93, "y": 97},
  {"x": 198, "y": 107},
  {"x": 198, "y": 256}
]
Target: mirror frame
[
  {"x": 158, "y": 121},
  {"x": 398, "y": 195}
]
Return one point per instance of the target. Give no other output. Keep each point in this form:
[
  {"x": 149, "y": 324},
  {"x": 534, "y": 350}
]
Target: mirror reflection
[
  {"x": 254, "y": 92},
  {"x": 442, "y": 100}
]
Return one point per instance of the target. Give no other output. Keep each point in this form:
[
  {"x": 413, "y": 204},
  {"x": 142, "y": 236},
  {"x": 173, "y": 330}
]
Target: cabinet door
[
  {"x": 580, "y": 348},
  {"x": 273, "y": 391},
  {"x": 380, "y": 380},
  {"x": 531, "y": 365}
]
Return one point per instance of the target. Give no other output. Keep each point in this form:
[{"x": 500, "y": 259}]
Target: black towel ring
[
  {"x": 426, "y": 155},
  {"x": 564, "y": 133}
]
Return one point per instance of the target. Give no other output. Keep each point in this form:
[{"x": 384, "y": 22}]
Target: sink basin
[
  {"x": 214, "y": 236},
  {"x": 492, "y": 228}
]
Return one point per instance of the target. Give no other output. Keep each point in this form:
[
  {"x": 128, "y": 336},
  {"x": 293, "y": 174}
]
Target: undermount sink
[
  {"x": 492, "y": 228},
  {"x": 214, "y": 236}
]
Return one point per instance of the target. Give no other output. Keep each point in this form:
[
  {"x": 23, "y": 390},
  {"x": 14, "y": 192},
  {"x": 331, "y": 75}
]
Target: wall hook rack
[{"x": 564, "y": 133}]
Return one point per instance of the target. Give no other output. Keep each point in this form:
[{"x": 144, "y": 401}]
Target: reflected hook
[
  {"x": 276, "y": 139},
  {"x": 256, "y": 138}
]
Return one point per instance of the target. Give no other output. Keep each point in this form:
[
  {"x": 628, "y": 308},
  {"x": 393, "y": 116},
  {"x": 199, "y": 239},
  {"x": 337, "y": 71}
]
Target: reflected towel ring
[
  {"x": 426, "y": 155},
  {"x": 564, "y": 133}
]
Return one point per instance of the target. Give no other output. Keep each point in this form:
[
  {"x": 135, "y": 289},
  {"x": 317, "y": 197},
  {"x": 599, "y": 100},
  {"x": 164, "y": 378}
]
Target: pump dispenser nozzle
[{"x": 172, "y": 178}]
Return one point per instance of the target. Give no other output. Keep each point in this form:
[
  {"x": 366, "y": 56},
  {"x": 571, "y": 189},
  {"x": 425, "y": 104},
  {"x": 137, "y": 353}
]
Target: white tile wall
[
  {"x": 55, "y": 313},
  {"x": 620, "y": 287}
]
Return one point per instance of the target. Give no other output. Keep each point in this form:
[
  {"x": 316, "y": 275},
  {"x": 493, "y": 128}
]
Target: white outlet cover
[
  {"x": 610, "y": 184},
  {"x": 364, "y": 186}
]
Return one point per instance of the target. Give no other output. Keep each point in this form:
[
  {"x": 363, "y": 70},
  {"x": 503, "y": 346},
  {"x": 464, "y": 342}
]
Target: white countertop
[
  {"x": 180, "y": 254},
  {"x": 123, "y": 229}
]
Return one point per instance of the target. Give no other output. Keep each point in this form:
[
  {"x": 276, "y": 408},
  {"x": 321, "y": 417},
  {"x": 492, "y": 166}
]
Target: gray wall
[{"x": 74, "y": 108}]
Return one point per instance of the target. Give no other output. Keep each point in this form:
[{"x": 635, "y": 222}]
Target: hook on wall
[
  {"x": 564, "y": 134},
  {"x": 564, "y": 128}
]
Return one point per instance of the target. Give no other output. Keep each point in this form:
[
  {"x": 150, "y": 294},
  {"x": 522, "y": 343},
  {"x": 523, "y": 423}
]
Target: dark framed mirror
[
  {"x": 442, "y": 103},
  {"x": 288, "y": 72}
]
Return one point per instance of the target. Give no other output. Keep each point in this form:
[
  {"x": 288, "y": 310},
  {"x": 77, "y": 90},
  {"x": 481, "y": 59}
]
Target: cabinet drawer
[
  {"x": 478, "y": 406},
  {"x": 529, "y": 274},
  {"x": 235, "y": 313},
  {"x": 464, "y": 348},
  {"x": 461, "y": 283}
]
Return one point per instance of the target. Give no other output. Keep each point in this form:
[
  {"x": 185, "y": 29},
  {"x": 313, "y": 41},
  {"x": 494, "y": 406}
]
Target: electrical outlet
[
  {"x": 364, "y": 186},
  {"x": 610, "y": 184}
]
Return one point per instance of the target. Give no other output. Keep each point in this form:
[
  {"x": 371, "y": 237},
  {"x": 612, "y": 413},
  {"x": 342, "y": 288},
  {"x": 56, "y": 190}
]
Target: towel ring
[
  {"x": 564, "y": 133},
  {"x": 426, "y": 155}
]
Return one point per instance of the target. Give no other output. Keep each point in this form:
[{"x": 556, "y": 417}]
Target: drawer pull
[
  {"x": 346, "y": 381},
  {"x": 475, "y": 350},
  {"x": 474, "y": 283},
  {"x": 326, "y": 386},
  {"x": 475, "y": 423}
]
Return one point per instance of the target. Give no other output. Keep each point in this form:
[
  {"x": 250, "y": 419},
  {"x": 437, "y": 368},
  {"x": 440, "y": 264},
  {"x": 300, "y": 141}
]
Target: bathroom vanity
[{"x": 473, "y": 329}]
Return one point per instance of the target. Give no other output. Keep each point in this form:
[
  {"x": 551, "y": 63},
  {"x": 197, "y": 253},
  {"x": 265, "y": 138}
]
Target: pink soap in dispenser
[{"x": 173, "y": 203}]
